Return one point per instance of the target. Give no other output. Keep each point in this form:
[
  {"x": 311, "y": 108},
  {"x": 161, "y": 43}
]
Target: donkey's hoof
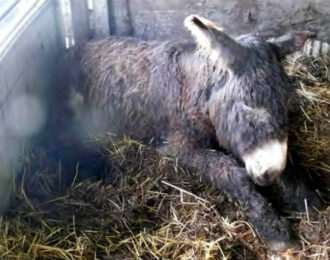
[{"x": 281, "y": 246}]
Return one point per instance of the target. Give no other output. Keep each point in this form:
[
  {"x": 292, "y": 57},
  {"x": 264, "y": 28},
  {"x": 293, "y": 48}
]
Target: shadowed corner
[
  {"x": 8, "y": 164},
  {"x": 24, "y": 117},
  {"x": 294, "y": 191},
  {"x": 5, "y": 186}
]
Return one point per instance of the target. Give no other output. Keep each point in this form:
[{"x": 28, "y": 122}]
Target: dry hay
[
  {"x": 151, "y": 209},
  {"x": 310, "y": 116},
  {"x": 148, "y": 207}
]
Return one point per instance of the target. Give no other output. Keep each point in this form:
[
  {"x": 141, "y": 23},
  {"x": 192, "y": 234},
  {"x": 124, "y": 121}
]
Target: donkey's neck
[{"x": 202, "y": 79}]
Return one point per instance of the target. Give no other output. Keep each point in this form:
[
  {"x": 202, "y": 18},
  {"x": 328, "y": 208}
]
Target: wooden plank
[
  {"x": 80, "y": 22},
  {"x": 65, "y": 22},
  {"x": 120, "y": 17},
  {"x": 100, "y": 19}
]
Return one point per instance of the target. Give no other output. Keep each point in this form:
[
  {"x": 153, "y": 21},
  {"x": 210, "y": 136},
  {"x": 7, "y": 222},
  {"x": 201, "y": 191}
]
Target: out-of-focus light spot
[{"x": 25, "y": 115}]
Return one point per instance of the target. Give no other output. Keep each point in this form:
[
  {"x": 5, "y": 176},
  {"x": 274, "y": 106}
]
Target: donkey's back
[{"x": 133, "y": 85}]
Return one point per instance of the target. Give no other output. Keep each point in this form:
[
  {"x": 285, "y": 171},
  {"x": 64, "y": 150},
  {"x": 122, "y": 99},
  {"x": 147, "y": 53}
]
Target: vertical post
[
  {"x": 80, "y": 21},
  {"x": 74, "y": 21},
  {"x": 99, "y": 19},
  {"x": 65, "y": 20},
  {"x": 120, "y": 17}
]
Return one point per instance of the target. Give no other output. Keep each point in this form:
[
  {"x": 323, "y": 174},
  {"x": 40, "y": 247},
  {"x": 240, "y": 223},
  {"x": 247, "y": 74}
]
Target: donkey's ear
[
  {"x": 209, "y": 36},
  {"x": 291, "y": 42},
  {"x": 201, "y": 29}
]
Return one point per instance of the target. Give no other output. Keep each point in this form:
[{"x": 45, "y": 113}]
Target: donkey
[{"x": 219, "y": 105}]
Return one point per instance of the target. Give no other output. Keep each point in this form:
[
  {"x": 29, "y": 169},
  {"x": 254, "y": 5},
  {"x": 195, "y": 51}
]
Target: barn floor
[{"x": 144, "y": 207}]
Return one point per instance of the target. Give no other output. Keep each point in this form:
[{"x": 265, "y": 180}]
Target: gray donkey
[{"x": 220, "y": 106}]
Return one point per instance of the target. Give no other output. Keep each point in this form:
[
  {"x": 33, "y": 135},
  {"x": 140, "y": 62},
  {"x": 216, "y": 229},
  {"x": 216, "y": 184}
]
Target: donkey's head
[{"x": 247, "y": 94}]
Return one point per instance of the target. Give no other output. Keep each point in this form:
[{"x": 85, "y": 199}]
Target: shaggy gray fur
[{"x": 182, "y": 94}]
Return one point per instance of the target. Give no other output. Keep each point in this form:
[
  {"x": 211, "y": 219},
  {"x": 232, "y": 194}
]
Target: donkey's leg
[
  {"x": 292, "y": 191},
  {"x": 226, "y": 174}
]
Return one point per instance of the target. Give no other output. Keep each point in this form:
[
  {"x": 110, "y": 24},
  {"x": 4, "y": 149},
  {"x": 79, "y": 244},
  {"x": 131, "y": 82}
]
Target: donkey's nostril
[
  {"x": 267, "y": 176},
  {"x": 265, "y": 179}
]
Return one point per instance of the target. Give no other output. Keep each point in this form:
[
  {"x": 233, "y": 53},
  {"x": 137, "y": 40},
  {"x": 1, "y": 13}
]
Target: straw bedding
[{"x": 146, "y": 206}]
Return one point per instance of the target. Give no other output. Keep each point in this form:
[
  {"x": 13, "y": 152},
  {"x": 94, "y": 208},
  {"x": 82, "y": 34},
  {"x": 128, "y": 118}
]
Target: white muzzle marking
[{"x": 267, "y": 162}]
